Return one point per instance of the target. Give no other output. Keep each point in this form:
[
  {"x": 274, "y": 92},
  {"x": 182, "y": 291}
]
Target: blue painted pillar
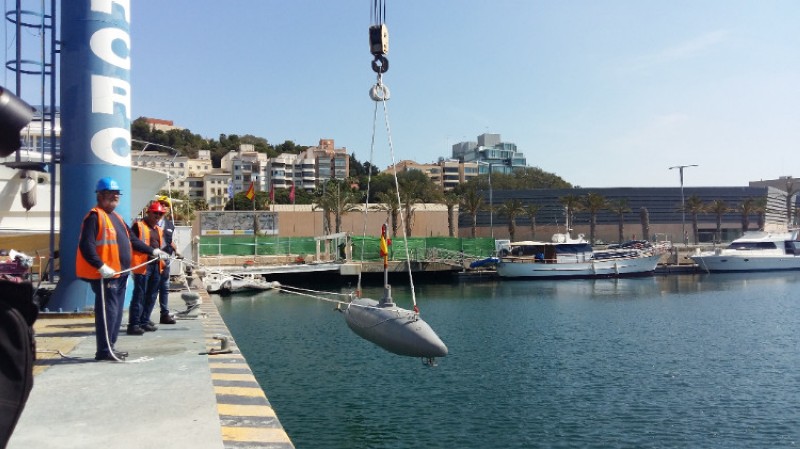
[{"x": 95, "y": 123}]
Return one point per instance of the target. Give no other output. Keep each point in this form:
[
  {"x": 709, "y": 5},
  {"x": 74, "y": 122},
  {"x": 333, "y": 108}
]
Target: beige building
[
  {"x": 157, "y": 124},
  {"x": 177, "y": 167},
  {"x": 447, "y": 174}
]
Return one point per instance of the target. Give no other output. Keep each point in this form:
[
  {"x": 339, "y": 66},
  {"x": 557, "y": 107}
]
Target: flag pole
[{"x": 232, "y": 194}]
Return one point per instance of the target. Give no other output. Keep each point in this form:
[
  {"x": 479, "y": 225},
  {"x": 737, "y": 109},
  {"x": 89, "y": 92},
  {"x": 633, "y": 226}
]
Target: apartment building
[
  {"x": 176, "y": 166},
  {"x": 308, "y": 169},
  {"x": 245, "y": 166},
  {"x": 447, "y": 174}
]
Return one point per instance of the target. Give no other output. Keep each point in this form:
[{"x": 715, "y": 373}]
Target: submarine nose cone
[
  {"x": 430, "y": 345},
  {"x": 438, "y": 348}
]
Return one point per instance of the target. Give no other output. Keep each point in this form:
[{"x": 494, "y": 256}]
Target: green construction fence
[{"x": 418, "y": 247}]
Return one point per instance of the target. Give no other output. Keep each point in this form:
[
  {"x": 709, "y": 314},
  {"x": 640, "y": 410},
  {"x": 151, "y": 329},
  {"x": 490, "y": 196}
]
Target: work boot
[
  {"x": 108, "y": 358},
  {"x": 167, "y": 319},
  {"x": 134, "y": 330},
  {"x": 149, "y": 327}
]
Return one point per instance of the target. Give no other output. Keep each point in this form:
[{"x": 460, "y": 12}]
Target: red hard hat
[{"x": 157, "y": 207}]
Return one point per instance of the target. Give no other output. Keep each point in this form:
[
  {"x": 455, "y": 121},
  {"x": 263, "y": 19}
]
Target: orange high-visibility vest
[
  {"x": 107, "y": 247},
  {"x": 138, "y": 258}
]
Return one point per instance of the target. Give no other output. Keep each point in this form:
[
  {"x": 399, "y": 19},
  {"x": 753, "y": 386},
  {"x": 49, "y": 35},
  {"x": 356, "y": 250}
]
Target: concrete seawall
[{"x": 170, "y": 393}]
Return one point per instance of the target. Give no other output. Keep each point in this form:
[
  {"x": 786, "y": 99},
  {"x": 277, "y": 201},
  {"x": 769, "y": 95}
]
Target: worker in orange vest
[
  {"x": 105, "y": 250},
  {"x": 146, "y": 278}
]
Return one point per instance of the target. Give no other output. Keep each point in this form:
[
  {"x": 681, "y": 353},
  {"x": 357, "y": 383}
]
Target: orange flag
[{"x": 251, "y": 192}]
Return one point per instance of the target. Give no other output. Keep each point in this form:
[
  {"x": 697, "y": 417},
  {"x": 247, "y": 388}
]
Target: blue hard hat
[{"x": 107, "y": 184}]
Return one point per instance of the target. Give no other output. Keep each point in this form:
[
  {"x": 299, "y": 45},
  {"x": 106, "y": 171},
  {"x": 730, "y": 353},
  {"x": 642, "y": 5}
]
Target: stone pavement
[{"x": 169, "y": 393}]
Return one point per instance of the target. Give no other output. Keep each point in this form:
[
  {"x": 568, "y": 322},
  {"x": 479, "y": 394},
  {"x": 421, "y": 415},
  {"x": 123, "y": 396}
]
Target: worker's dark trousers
[{"x": 17, "y": 352}]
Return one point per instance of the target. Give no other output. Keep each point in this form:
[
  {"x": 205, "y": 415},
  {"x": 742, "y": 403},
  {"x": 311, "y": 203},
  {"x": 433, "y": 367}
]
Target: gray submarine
[
  {"x": 397, "y": 330},
  {"x": 393, "y": 328}
]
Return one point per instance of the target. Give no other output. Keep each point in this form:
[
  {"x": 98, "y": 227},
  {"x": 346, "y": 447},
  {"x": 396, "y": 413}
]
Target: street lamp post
[
  {"x": 683, "y": 204},
  {"x": 491, "y": 202}
]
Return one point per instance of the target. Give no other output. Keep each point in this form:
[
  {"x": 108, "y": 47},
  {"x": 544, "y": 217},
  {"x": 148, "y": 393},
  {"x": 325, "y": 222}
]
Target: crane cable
[{"x": 379, "y": 93}]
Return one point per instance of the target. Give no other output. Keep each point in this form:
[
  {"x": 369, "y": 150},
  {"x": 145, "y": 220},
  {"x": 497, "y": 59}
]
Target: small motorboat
[{"x": 229, "y": 283}]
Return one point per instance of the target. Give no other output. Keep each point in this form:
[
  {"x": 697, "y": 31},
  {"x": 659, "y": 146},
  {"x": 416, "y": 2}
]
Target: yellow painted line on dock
[
  {"x": 232, "y": 364},
  {"x": 229, "y": 376},
  {"x": 249, "y": 422},
  {"x": 260, "y": 411},
  {"x": 254, "y": 434},
  {"x": 240, "y": 391}
]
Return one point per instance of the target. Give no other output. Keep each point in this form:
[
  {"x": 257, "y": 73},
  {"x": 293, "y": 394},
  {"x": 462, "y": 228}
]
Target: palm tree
[
  {"x": 472, "y": 203},
  {"x": 695, "y": 206},
  {"x": 325, "y": 203},
  {"x": 593, "y": 203},
  {"x": 340, "y": 199},
  {"x": 409, "y": 197},
  {"x": 388, "y": 203},
  {"x": 530, "y": 211},
  {"x": 451, "y": 200},
  {"x": 644, "y": 217},
  {"x": 761, "y": 210},
  {"x": 620, "y": 207},
  {"x": 747, "y": 207},
  {"x": 511, "y": 209},
  {"x": 719, "y": 208},
  {"x": 572, "y": 203}
]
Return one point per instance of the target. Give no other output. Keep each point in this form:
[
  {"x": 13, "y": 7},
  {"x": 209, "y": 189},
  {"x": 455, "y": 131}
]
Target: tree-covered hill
[{"x": 189, "y": 144}]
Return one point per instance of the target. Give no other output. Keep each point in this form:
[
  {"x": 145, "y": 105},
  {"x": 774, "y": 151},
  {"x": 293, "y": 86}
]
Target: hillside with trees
[{"x": 417, "y": 186}]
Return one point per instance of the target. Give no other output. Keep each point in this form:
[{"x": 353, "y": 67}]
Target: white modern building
[{"x": 492, "y": 152}]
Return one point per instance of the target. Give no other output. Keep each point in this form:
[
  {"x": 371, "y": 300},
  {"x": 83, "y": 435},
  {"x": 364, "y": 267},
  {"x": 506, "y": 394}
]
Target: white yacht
[
  {"x": 565, "y": 257},
  {"x": 754, "y": 251}
]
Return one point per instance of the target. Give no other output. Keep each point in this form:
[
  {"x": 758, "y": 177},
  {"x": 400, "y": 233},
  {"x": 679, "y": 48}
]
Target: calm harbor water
[{"x": 666, "y": 361}]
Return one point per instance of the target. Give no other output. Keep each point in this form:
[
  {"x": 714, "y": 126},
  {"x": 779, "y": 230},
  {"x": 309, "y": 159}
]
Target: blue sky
[{"x": 603, "y": 93}]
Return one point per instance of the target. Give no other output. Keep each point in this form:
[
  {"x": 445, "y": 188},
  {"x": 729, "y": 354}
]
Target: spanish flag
[
  {"x": 251, "y": 192},
  {"x": 384, "y": 248},
  {"x": 384, "y": 244}
]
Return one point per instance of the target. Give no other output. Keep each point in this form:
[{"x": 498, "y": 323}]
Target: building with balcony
[
  {"x": 308, "y": 169},
  {"x": 245, "y": 166},
  {"x": 330, "y": 162},
  {"x": 447, "y": 174}
]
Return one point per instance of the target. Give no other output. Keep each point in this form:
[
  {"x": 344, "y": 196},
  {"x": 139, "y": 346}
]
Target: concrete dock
[{"x": 170, "y": 393}]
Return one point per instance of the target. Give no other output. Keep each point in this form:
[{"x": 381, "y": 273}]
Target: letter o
[{"x": 103, "y": 146}]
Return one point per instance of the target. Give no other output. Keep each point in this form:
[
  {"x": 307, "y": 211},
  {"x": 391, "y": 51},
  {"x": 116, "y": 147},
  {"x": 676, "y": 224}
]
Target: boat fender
[{"x": 28, "y": 190}]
